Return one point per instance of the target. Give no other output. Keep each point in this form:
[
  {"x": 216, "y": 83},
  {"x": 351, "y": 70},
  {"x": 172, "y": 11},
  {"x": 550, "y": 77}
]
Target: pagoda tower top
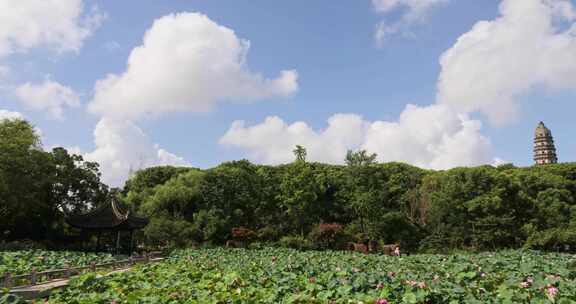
[{"x": 544, "y": 149}]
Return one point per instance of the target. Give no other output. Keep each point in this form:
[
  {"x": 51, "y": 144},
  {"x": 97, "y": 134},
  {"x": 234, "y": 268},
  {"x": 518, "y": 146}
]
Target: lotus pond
[
  {"x": 20, "y": 262},
  {"x": 287, "y": 276}
]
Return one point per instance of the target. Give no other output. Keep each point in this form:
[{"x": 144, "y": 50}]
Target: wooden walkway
[{"x": 44, "y": 289}]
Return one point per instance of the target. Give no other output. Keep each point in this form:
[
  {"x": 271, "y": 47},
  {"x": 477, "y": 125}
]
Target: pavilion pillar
[
  {"x": 118, "y": 242},
  {"x": 98, "y": 240},
  {"x": 131, "y": 242}
]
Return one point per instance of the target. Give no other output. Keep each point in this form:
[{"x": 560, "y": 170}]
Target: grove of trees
[
  {"x": 38, "y": 188},
  {"x": 481, "y": 208},
  {"x": 301, "y": 204}
]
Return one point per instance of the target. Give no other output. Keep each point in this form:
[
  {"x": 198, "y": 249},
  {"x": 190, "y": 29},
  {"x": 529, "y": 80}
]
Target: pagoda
[{"x": 544, "y": 149}]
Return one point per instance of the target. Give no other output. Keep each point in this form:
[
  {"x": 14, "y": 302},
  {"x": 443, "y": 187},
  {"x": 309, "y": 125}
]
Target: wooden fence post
[
  {"x": 68, "y": 272},
  {"x": 131, "y": 261},
  {"x": 8, "y": 280},
  {"x": 146, "y": 257},
  {"x": 33, "y": 277},
  {"x": 93, "y": 266}
]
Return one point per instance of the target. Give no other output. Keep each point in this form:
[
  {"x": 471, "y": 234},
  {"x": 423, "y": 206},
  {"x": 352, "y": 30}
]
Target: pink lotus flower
[
  {"x": 379, "y": 286},
  {"x": 551, "y": 291},
  {"x": 381, "y": 301}
]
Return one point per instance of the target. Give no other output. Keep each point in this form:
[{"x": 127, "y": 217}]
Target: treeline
[
  {"x": 309, "y": 205},
  {"x": 38, "y": 188},
  {"x": 301, "y": 204}
]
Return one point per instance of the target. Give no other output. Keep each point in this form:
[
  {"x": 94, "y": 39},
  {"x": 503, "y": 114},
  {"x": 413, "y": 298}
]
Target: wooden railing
[{"x": 37, "y": 277}]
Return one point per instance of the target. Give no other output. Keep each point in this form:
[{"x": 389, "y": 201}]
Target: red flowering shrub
[
  {"x": 243, "y": 234},
  {"x": 328, "y": 236}
]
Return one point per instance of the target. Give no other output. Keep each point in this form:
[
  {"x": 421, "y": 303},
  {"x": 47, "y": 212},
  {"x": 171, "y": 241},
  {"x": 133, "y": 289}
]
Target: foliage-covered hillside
[{"x": 471, "y": 208}]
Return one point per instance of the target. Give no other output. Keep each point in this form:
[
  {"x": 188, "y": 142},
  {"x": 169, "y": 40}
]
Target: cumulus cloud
[
  {"x": 413, "y": 12},
  {"x": 186, "y": 62},
  {"x": 122, "y": 147},
  {"x": 49, "y": 96},
  {"x": 531, "y": 44},
  {"x": 61, "y": 25},
  {"x": 273, "y": 140},
  {"x": 432, "y": 137},
  {"x": 5, "y": 114}
]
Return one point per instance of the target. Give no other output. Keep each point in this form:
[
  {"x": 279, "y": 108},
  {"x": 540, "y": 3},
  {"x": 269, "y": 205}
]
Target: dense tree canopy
[
  {"x": 37, "y": 188},
  {"x": 481, "y": 208}
]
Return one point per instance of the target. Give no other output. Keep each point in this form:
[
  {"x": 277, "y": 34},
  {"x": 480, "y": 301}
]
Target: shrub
[
  {"x": 296, "y": 242},
  {"x": 269, "y": 234},
  {"x": 165, "y": 232},
  {"x": 21, "y": 245},
  {"x": 256, "y": 246},
  {"x": 328, "y": 236},
  {"x": 243, "y": 234}
]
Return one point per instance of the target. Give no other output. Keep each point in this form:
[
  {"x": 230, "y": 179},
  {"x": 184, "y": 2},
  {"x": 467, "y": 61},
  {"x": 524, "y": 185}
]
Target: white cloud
[
  {"x": 272, "y": 141},
  {"x": 48, "y": 96},
  {"x": 187, "y": 62},
  {"x": 413, "y": 12},
  {"x": 121, "y": 147},
  {"x": 497, "y": 61},
  {"x": 61, "y": 25},
  {"x": 431, "y": 137},
  {"x": 5, "y": 114}
]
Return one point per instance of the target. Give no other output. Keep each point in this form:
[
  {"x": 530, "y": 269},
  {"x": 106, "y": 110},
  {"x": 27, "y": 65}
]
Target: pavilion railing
[{"x": 39, "y": 277}]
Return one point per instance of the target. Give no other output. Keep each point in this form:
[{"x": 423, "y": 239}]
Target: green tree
[
  {"x": 234, "y": 189},
  {"x": 360, "y": 158},
  {"x": 300, "y": 153},
  {"x": 76, "y": 185},
  {"x": 298, "y": 193},
  {"x": 363, "y": 192},
  {"x": 172, "y": 208},
  {"x": 26, "y": 176}
]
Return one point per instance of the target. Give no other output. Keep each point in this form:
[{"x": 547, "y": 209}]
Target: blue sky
[{"x": 341, "y": 69}]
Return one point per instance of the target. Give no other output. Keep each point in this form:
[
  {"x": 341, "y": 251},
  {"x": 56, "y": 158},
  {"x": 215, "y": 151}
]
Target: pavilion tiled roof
[{"x": 108, "y": 217}]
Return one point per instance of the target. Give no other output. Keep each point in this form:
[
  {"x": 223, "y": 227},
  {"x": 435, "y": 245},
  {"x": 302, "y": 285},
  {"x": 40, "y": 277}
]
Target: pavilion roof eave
[{"x": 108, "y": 217}]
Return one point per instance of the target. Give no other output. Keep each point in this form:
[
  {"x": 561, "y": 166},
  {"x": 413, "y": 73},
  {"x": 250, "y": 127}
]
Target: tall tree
[
  {"x": 26, "y": 175},
  {"x": 300, "y": 153},
  {"x": 76, "y": 186},
  {"x": 298, "y": 193},
  {"x": 364, "y": 194},
  {"x": 360, "y": 158}
]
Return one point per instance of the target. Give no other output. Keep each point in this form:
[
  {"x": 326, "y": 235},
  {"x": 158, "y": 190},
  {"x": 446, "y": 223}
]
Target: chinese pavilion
[{"x": 110, "y": 218}]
